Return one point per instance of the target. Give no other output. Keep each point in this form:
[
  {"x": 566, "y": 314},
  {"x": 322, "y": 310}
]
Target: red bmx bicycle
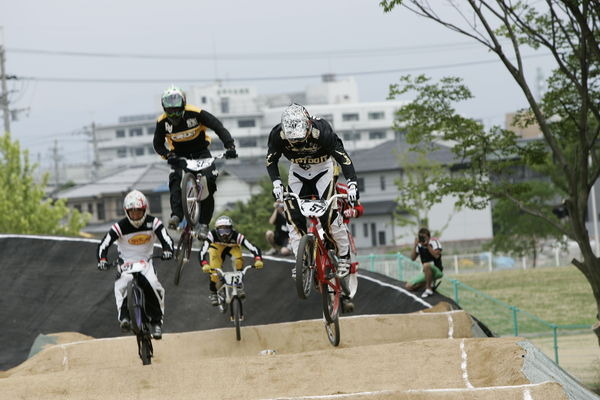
[{"x": 316, "y": 264}]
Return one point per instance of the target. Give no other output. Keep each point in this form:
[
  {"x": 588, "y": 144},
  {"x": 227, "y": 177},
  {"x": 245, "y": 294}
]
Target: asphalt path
[{"x": 51, "y": 285}]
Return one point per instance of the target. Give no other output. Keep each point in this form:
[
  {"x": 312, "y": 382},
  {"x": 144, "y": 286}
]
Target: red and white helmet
[{"x": 135, "y": 200}]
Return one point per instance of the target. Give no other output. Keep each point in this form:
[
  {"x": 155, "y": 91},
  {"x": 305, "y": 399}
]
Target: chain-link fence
[{"x": 501, "y": 318}]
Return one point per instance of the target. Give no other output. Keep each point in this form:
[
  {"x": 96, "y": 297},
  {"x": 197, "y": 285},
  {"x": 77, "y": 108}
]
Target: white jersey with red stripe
[{"x": 133, "y": 243}]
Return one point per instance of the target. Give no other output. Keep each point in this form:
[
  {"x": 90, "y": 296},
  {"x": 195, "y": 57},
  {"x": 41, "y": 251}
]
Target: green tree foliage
[
  {"x": 252, "y": 218},
  {"x": 519, "y": 233},
  {"x": 418, "y": 182},
  {"x": 23, "y": 204},
  {"x": 568, "y": 114}
]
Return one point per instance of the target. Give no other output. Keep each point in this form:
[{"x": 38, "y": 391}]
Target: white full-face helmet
[
  {"x": 136, "y": 207},
  {"x": 295, "y": 123},
  {"x": 224, "y": 227}
]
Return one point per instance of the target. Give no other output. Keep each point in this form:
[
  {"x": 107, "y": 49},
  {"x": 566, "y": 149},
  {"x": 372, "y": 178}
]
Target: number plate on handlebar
[
  {"x": 131, "y": 267},
  {"x": 200, "y": 164},
  {"x": 233, "y": 278},
  {"x": 313, "y": 208}
]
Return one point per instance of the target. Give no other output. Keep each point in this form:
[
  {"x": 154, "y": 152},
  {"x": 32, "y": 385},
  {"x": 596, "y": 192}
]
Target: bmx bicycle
[
  {"x": 193, "y": 185},
  {"x": 230, "y": 293},
  {"x": 136, "y": 305},
  {"x": 316, "y": 264}
]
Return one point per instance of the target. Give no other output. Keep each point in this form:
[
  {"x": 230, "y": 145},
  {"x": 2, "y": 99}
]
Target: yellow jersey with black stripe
[{"x": 188, "y": 137}]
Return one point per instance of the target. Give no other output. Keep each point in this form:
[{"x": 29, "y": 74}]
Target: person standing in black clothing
[
  {"x": 278, "y": 238},
  {"x": 181, "y": 132}
]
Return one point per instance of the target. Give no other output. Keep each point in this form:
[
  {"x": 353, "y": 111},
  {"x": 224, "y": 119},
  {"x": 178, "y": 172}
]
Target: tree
[
  {"x": 568, "y": 114},
  {"x": 420, "y": 175},
  {"x": 252, "y": 218},
  {"x": 23, "y": 205},
  {"x": 518, "y": 233}
]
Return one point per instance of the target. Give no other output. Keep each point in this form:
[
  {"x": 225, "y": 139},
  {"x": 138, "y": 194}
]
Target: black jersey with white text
[
  {"x": 135, "y": 244},
  {"x": 188, "y": 138},
  {"x": 321, "y": 143},
  {"x": 426, "y": 256}
]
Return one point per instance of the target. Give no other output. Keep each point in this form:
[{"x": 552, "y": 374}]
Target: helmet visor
[
  {"x": 172, "y": 100},
  {"x": 295, "y": 129}
]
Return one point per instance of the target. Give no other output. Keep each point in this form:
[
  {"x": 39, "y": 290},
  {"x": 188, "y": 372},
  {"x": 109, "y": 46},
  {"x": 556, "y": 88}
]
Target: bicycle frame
[
  {"x": 193, "y": 183},
  {"x": 228, "y": 296}
]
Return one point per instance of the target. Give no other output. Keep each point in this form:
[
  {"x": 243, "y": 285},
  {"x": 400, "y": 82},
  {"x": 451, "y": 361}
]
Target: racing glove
[
  {"x": 352, "y": 192},
  {"x": 231, "y": 153},
  {"x": 350, "y": 213},
  {"x": 166, "y": 255},
  {"x": 206, "y": 267},
  {"x": 103, "y": 264},
  {"x": 172, "y": 159},
  {"x": 278, "y": 190},
  {"x": 258, "y": 262}
]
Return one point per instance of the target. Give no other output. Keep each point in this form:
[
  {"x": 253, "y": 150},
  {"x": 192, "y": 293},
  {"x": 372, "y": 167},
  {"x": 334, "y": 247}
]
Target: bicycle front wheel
[
  {"x": 182, "y": 253},
  {"x": 236, "y": 315},
  {"x": 333, "y": 331},
  {"x": 330, "y": 292},
  {"x": 145, "y": 349},
  {"x": 305, "y": 260},
  {"x": 190, "y": 198},
  {"x": 135, "y": 301}
]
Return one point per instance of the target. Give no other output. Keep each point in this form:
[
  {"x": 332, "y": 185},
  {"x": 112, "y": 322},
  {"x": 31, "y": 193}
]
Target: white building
[{"x": 250, "y": 117}]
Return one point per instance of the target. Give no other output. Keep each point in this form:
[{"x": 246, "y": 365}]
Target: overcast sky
[{"x": 247, "y": 42}]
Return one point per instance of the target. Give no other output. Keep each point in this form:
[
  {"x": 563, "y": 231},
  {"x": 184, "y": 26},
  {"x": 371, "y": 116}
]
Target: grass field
[{"x": 558, "y": 295}]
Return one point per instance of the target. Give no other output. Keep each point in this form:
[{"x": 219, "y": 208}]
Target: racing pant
[
  {"x": 217, "y": 254},
  {"x": 154, "y": 294},
  {"x": 315, "y": 179}
]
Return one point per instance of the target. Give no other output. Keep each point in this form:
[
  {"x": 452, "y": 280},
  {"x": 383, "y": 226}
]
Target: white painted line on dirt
[
  {"x": 463, "y": 364},
  {"x": 332, "y": 396},
  {"x": 450, "y": 326},
  {"x": 527, "y": 395},
  {"x": 399, "y": 289},
  {"x": 65, "y": 361},
  {"x": 526, "y": 387}
]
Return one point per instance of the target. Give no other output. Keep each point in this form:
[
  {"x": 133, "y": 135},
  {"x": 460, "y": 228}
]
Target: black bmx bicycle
[
  {"x": 193, "y": 191},
  {"x": 136, "y": 305}
]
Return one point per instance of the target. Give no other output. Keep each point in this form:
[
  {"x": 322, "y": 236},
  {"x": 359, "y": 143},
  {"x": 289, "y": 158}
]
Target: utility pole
[
  {"x": 56, "y": 158},
  {"x": 4, "y": 95},
  {"x": 96, "y": 160}
]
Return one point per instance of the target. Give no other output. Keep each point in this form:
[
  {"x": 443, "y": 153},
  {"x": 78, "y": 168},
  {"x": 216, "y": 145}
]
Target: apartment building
[{"x": 250, "y": 117}]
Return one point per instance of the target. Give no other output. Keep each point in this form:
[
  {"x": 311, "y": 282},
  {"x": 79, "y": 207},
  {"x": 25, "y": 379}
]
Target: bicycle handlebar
[
  {"x": 116, "y": 263},
  {"x": 246, "y": 268}
]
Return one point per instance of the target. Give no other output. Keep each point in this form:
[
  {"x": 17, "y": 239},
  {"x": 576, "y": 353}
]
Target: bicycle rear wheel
[
  {"x": 305, "y": 261},
  {"x": 333, "y": 331},
  {"x": 182, "y": 253},
  {"x": 189, "y": 198},
  {"x": 236, "y": 316},
  {"x": 330, "y": 294}
]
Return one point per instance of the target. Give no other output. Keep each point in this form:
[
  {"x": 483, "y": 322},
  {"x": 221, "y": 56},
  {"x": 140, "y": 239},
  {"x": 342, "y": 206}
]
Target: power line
[
  {"x": 266, "y": 78},
  {"x": 382, "y": 51}
]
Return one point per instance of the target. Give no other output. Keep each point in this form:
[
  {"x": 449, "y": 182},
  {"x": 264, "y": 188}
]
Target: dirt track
[{"x": 425, "y": 355}]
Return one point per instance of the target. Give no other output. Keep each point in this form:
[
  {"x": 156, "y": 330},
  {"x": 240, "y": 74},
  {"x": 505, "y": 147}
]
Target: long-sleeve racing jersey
[
  {"x": 188, "y": 138},
  {"x": 135, "y": 244},
  {"x": 321, "y": 143},
  {"x": 235, "y": 240}
]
